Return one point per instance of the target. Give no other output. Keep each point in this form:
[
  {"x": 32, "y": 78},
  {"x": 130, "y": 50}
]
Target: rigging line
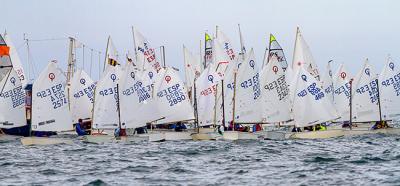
[
  {"x": 99, "y": 64},
  {"x": 83, "y": 56},
  {"x": 91, "y": 62},
  {"x": 50, "y": 39}
]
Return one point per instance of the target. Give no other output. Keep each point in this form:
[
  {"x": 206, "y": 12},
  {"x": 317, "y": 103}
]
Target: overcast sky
[{"x": 342, "y": 30}]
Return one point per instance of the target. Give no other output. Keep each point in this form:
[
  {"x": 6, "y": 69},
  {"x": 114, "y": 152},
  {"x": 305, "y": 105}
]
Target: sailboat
[
  {"x": 12, "y": 92},
  {"x": 12, "y": 104},
  {"x": 81, "y": 96},
  {"x": 366, "y": 106},
  {"x": 311, "y": 107},
  {"x": 275, "y": 103},
  {"x": 50, "y": 112},
  {"x": 342, "y": 92},
  {"x": 173, "y": 104},
  {"x": 246, "y": 96}
]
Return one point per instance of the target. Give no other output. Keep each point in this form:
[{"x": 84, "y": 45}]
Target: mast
[
  {"x": 223, "y": 103},
  {"x": 195, "y": 107},
  {"x": 241, "y": 43},
  {"x": 215, "y": 106},
  {"x": 71, "y": 60},
  {"x": 118, "y": 108},
  {"x": 200, "y": 51},
  {"x": 205, "y": 50},
  {"x": 351, "y": 103},
  {"x": 379, "y": 100},
  {"x": 163, "y": 55},
  {"x": 105, "y": 61},
  {"x": 295, "y": 43},
  {"x": 234, "y": 101},
  {"x": 134, "y": 44}
]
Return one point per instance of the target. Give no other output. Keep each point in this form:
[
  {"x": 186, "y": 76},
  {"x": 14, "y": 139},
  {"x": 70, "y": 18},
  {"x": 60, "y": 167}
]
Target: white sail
[
  {"x": 171, "y": 97},
  {"x": 327, "y": 82},
  {"x": 302, "y": 56},
  {"x": 221, "y": 59},
  {"x": 145, "y": 54},
  {"x": 5, "y": 60},
  {"x": 389, "y": 90},
  {"x": 276, "y": 50},
  {"x": 12, "y": 102},
  {"x": 206, "y": 89},
  {"x": 341, "y": 86},
  {"x": 112, "y": 58},
  {"x": 247, "y": 98},
  {"x": 226, "y": 44},
  {"x": 105, "y": 109},
  {"x": 228, "y": 91},
  {"x": 135, "y": 96},
  {"x": 50, "y": 110},
  {"x": 310, "y": 105},
  {"x": 16, "y": 61},
  {"x": 275, "y": 92},
  {"x": 81, "y": 96},
  {"x": 192, "y": 67},
  {"x": 365, "y": 96}
]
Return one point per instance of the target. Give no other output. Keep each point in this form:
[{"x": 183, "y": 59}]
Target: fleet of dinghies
[{"x": 226, "y": 95}]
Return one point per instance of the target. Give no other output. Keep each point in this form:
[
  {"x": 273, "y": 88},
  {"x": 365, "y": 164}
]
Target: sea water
[{"x": 362, "y": 160}]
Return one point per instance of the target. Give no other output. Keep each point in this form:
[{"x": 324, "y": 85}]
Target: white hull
[
  {"x": 100, "y": 139},
  {"x": 274, "y": 135},
  {"x": 27, "y": 141},
  {"x": 365, "y": 131},
  {"x": 236, "y": 135},
  {"x": 8, "y": 138},
  {"x": 176, "y": 136},
  {"x": 334, "y": 133},
  {"x": 206, "y": 136}
]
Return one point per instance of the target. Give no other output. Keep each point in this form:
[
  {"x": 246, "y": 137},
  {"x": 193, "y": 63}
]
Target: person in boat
[
  {"x": 221, "y": 129},
  {"x": 141, "y": 130},
  {"x": 296, "y": 129},
  {"x": 179, "y": 127},
  {"x": 257, "y": 127},
  {"x": 380, "y": 125},
  {"x": 319, "y": 127},
  {"x": 118, "y": 132},
  {"x": 79, "y": 128}
]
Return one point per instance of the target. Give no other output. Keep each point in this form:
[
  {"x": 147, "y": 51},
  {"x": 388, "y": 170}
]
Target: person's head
[{"x": 80, "y": 120}]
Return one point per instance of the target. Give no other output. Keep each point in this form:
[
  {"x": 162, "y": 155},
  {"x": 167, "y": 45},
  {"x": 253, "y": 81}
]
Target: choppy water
[{"x": 365, "y": 160}]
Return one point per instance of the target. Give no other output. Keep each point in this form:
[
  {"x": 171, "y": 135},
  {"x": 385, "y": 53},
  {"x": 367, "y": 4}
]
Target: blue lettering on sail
[
  {"x": 280, "y": 86},
  {"x": 55, "y": 94},
  {"x": 372, "y": 90},
  {"x": 86, "y": 91},
  {"x": 253, "y": 83},
  {"x": 313, "y": 90},
  {"x": 17, "y": 96},
  {"x": 173, "y": 94},
  {"x": 394, "y": 81}
]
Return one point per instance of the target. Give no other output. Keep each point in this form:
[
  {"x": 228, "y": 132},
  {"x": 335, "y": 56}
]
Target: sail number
[
  {"x": 56, "y": 95},
  {"x": 253, "y": 83},
  {"x": 142, "y": 92},
  {"x": 88, "y": 91},
  {"x": 280, "y": 86},
  {"x": 313, "y": 90},
  {"x": 372, "y": 90},
  {"x": 173, "y": 94},
  {"x": 16, "y": 94},
  {"x": 395, "y": 81}
]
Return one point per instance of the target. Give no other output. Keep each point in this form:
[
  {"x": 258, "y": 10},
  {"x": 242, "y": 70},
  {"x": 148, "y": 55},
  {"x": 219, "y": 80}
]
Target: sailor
[{"x": 79, "y": 128}]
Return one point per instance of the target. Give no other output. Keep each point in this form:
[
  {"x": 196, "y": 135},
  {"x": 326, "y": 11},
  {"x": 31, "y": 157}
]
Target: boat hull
[
  {"x": 366, "y": 131},
  {"x": 206, "y": 136},
  {"x": 334, "y": 133},
  {"x": 176, "y": 136},
  {"x": 29, "y": 141},
  {"x": 7, "y": 138},
  {"x": 236, "y": 135}
]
